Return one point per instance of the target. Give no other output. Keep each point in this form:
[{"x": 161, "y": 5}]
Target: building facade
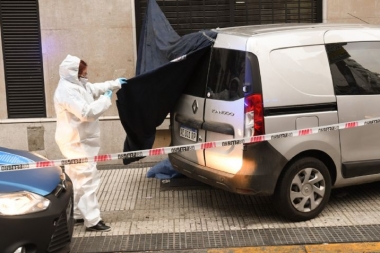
[{"x": 104, "y": 34}]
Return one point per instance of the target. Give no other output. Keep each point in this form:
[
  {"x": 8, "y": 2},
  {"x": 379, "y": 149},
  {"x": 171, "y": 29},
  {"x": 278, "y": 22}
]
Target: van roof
[{"x": 251, "y": 30}]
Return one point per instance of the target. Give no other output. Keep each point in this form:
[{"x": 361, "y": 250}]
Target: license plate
[{"x": 188, "y": 133}]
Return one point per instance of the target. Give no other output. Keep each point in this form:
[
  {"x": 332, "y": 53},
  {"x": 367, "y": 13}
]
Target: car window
[
  {"x": 226, "y": 75},
  {"x": 355, "y": 67}
]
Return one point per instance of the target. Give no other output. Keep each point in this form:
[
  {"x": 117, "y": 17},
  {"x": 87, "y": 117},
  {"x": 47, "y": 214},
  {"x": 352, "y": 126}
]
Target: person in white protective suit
[{"x": 78, "y": 105}]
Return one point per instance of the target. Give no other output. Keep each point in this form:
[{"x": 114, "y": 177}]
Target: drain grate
[{"x": 231, "y": 238}]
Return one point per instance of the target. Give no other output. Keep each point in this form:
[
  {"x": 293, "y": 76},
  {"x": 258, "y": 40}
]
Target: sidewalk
[{"x": 181, "y": 215}]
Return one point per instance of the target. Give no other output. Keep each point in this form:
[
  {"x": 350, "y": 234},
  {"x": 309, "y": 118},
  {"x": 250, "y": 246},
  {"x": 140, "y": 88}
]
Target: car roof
[{"x": 251, "y": 30}]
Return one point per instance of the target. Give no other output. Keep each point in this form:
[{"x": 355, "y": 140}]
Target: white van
[{"x": 272, "y": 78}]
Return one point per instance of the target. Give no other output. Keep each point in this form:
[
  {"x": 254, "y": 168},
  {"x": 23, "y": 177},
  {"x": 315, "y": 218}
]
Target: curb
[{"x": 370, "y": 247}]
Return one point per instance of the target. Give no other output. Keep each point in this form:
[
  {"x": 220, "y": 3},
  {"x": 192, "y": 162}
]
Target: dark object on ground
[{"x": 182, "y": 184}]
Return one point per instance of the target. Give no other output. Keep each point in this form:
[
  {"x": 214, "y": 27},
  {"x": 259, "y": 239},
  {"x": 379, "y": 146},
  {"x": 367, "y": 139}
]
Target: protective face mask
[{"x": 83, "y": 80}]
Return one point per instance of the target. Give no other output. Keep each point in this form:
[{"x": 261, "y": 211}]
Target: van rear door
[
  {"x": 187, "y": 118},
  {"x": 224, "y": 105}
]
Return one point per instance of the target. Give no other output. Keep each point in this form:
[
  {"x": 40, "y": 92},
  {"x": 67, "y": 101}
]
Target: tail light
[{"x": 254, "y": 115}]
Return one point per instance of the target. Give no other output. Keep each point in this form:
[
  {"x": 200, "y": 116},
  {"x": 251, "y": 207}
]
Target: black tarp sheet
[{"x": 165, "y": 63}]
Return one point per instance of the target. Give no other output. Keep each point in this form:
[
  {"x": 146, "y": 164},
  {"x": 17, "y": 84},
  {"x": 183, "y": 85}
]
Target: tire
[{"x": 297, "y": 199}]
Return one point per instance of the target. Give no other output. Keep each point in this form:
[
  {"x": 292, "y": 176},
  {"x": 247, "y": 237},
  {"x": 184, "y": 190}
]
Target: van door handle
[
  {"x": 221, "y": 128},
  {"x": 193, "y": 123}
]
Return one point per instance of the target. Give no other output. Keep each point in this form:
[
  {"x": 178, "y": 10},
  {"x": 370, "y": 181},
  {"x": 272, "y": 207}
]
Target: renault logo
[{"x": 195, "y": 106}]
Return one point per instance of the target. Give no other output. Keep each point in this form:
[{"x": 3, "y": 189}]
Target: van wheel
[{"x": 303, "y": 190}]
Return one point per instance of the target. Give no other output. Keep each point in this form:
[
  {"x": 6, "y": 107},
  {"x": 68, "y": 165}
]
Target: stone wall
[{"x": 352, "y": 11}]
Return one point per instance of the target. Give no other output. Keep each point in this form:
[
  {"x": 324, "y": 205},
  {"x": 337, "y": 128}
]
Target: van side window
[
  {"x": 227, "y": 74},
  {"x": 355, "y": 67}
]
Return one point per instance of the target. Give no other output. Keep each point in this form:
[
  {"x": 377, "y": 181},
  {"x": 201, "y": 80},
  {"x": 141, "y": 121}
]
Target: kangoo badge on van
[{"x": 272, "y": 78}]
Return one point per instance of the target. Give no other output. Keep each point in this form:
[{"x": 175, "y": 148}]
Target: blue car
[{"x": 36, "y": 206}]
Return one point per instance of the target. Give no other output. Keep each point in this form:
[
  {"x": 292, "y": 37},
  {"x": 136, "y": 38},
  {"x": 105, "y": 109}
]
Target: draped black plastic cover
[
  {"x": 159, "y": 43},
  {"x": 164, "y": 65}
]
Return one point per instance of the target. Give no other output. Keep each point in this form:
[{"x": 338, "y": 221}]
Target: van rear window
[
  {"x": 355, "y": 67},
  {"x": 197, "y": 83},
  {"x": 232, "y": 74}
]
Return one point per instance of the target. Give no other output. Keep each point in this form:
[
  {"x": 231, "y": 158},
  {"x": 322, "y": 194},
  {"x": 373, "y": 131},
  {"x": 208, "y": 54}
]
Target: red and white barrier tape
[{"x": 190, "y": 147}]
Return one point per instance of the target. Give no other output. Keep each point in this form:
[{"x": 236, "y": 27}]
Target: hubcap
[{"x": 307, "y": 190}]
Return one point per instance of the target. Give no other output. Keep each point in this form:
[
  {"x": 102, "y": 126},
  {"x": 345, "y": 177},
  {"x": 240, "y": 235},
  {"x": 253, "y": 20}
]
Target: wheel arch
[{"x": 320, "y": 155}]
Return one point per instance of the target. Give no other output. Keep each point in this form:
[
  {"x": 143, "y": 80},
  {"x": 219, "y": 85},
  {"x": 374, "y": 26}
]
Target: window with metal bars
[
  {"x": 22, "y": 55},
  {"x": 187, "y": 16}
]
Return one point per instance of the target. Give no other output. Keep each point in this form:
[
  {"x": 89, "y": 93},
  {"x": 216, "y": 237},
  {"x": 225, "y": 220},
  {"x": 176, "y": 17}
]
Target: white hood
[{"x": 69, "y": 68}]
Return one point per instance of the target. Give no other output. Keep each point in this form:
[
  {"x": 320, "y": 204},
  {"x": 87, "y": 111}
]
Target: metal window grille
[
  {"x": 187, "y": 16},
  {"x": 22, "y": 55}
]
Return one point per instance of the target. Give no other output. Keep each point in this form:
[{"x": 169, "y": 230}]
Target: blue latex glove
[
  {"x": 122, "y": 80},
  {"x": 108, "y": 93}
]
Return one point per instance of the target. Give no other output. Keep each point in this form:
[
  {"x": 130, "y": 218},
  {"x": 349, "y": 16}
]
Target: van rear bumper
[{"x": 262, "y": 165}]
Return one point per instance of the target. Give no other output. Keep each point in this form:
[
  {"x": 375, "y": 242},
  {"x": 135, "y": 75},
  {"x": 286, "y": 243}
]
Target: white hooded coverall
[{"x": 77, "y": 133}]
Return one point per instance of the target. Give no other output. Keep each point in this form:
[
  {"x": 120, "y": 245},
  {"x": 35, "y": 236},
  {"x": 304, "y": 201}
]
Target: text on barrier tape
[{"x": 190, "y": 147}]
